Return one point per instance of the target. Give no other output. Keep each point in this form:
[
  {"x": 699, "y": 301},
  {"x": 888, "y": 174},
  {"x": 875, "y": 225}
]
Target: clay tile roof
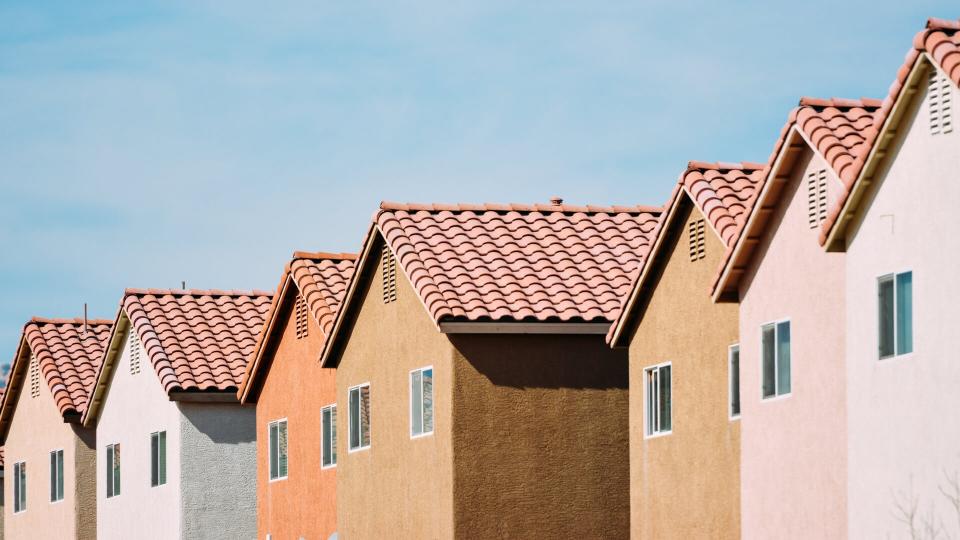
[
  {"x": 68, "y": 358},
  {"x": 940, "y": 40},
  {"x": 724, "y": 192},
  {"x": 197, "y": 339},
  {"x": 322, "y": 280},
  {"x": 496, "y": 262}
]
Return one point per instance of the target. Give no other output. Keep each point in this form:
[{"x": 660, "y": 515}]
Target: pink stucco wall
[
  {"x": 793, "y": 447},
  {"x": 904, "y": 412}
]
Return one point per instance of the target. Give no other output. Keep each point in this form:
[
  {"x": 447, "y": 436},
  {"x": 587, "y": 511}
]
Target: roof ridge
[
  {"x": 724, "y": 166},
  {"x": 195, "y": 292},
  {"x": 67, "y": 320},
  {"x": 841, "y": 103},
  {"x": 323, "y": 255},
  {"x": 934, "y": 23},
  {"x": 516, "y": 207}
]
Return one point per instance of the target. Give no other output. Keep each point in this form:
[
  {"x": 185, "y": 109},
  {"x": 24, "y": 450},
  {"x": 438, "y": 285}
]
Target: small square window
[
  {"x": 895, "y": 302},
  {"x": 657, "y": 383}
]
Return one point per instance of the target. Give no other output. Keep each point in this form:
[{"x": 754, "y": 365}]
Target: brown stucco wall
[
  {"x": 85, "y": 464},
  {"x": 540, "y": 437},
  {"x": 295, "y": 387},
  {"x": 399, "y": 487},
  {"x": 685, "y": 484}
]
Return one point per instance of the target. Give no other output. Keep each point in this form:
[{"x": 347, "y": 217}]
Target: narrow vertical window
[
  {"x": 113, "y": 470},
  {"x": 278, "y": 449},
  {"x": 734, "y": 354},
  {"x": 775, "y": 352},
  {"x": 19, "y": 486},
  {"x": 658, "y": 399},
  {"x": 895, "y": 302},
  {"x": 421, "y": 402},
  {"x": 158, "y": 458},
  {"x": 359, "y": 417},
  {"x": 56, "y": 475},
  {"x": 328, "y": 419}
]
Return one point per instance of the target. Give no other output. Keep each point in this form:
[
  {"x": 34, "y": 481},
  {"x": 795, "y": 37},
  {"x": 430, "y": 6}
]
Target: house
[
  {"x": 295, "y": 400},
  {"x": 481, "y": 398},
  {"x": 898, "y": 228},
  {"x": 177, "y": 452},
  {"x": 684, "y": 358},
  {"x": 51, "y": 492},
  {"x": 790, "y": 291}
]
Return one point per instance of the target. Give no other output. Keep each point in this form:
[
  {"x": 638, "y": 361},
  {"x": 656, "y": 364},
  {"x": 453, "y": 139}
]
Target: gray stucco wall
[{"x": 218, "y": 481}]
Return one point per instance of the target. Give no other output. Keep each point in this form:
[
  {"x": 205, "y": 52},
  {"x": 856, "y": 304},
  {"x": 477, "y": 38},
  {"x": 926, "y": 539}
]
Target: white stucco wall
[
  {"x": 793, "y": 447},
  {"x": 904, "y": 413},
  {"x": 134, "y": 407}
]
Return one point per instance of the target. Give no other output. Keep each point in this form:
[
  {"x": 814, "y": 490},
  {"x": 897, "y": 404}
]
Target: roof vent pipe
[
  {"x": 84, "y": 317},
  {"x": 556, "y": 201}
]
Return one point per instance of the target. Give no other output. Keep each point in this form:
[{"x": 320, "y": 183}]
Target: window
[
  {"x": 939, "y": 102},
  {"x": 816, "y": 197},
  {"x": 301, "y": 317},
  {"x": 775, "y": 345},
  {"x": 158, "y": 458},
  {"x": 328, "y": 419},
  {"x": 34, "y": 377},
  {"x": 421, "y": 402},
  {"x": 658, "y": 399},
  {"x": 359, "y": 417},
  {"x": 389, "y": 271},
  {"x": 56, "y": 475},
  {"x": 113, "y": 470},
  {"x": 278, "y": 449},
  {"x": 734, "y": 354},
  {"x": 133, "y": 343},
  {"x": 896, "y": 314},
  {"x": 697, "y": 240},
  {"x": 19, "y": 486}
]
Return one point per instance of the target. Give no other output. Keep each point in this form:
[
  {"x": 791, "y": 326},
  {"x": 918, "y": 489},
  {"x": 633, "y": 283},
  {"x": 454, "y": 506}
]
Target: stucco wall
[
  {"x": 134, "y": 407},
  {"x": 399, "y": 487},
  {"x": 296, "y": 388},
  {"x": 793, "y": 447},
  {"x": 904, "y": 432},
  {"x": 38, "y": 428},
  {"x": 686, "y": 484},
  {"x": 540, "y": 437},
  {"x": 217, "y": 471}
]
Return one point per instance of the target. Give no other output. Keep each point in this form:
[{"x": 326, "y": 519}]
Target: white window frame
[
  {"x": 892, "y": 276},
  {"x": 60, "y": 473},
  {"x": 776, "y": 361},
  {"x": 21, "y": 484},
  {"x": 111, "y": 482},
  {"x": 410, "y": 409},
  {"x": 361, "y": 448},
  {"x": 730, "y": 349},
  {"x": 161, "y": 481},
  {"x": 647, "y": 433},
  {"x": 332, "y": 407},
  {"x": 279, "y": 478}
]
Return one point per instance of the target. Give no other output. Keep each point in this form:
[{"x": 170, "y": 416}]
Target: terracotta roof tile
[
  {"x": 724, "y": 192},
  {"x": 197, "y": 339},
  {"x": 69, "y": 358},
  {"x": 518, "y": 261},
  {"x": 941, "y": 41}
]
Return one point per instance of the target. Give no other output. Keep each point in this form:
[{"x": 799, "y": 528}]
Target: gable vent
[
  {"x": 301, "y": 316},
  {"x": 34, "y": 377},
  {"x": 816, "y": 197},
  {"x": 133, "y": 343},
  {"x": 389, "y": 271},
  {"x": 940, "y": 103},
  {"x": 698, "y": 241}
]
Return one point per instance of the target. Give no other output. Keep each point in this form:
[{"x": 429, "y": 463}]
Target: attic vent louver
[
  {"x": 940, "y": 103},
  {"x": 34, "y": 377},
  {"x": 301, "y": 315},
  {"x": 816, "y": 197},
  {"x": 389, "y": 271},
  {"x": 133, "y": 343},
  {"x": 697, "y": 237}
]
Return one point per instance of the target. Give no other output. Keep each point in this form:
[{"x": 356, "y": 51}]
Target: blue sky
[{"x": 142, "y": 143}]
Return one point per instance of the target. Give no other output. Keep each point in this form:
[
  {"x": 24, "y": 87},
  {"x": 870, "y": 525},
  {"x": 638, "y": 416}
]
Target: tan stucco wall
[
  {"x": 36, "y": 429},
  {"x": 295, "y": 387},
  {"x": 685, "y": 484},
  {"x": 540, "y": 437},
  {"x": 399, "y": 487}
]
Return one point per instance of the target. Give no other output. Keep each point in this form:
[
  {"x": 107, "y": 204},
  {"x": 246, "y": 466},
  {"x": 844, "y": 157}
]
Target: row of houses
[{"x": 767, "y": 355}]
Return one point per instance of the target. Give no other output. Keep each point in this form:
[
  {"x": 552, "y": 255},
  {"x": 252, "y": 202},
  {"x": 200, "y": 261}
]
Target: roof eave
[
  {"x": 106, "y": 367},
  {"x": 252, "y": 377}
]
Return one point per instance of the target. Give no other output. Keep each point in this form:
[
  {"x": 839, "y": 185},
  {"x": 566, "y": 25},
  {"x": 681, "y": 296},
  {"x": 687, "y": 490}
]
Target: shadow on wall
[
  {"x": 545, "y": 361},
  {"x": 221, "y": 428}
]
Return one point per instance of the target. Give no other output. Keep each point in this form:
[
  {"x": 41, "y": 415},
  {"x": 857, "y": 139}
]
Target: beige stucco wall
[
  {"x": 38, "y": 428},
  {"x": 685, "y": 484},
  {"x": 399, "y": 487},
  {"x": 540, "y": 437}
]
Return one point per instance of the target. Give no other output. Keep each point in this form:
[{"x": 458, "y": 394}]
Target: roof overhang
[
  {"x": 14, "y": 386},
  {"x": 110, "y": 353},
  {"x": 494, "y": 327},
  {"x": 246, "y": 393},
  {"x": 219, "y": 396}
]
